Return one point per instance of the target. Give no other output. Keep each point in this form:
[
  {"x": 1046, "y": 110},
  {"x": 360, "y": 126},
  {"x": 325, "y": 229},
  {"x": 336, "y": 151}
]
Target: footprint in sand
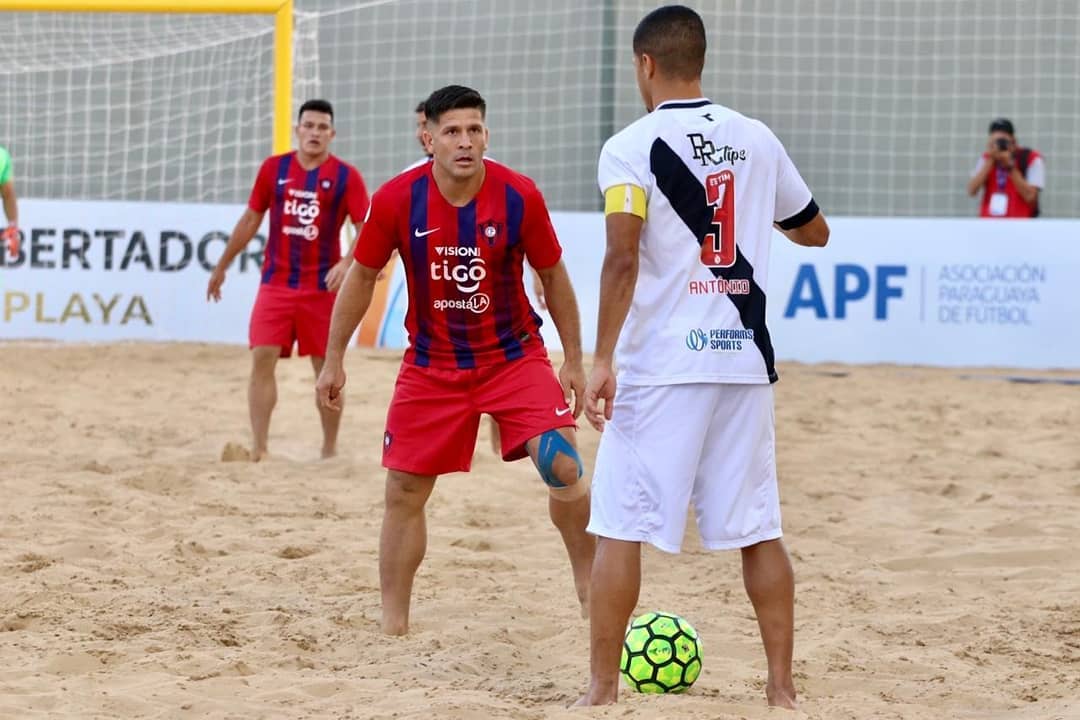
[
  {"x": 235, "y": 452},
  {"x": 291, "y": 552}
]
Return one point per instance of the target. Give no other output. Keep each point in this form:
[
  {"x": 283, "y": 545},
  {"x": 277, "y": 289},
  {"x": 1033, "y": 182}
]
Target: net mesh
[{"x": 883, "y": 104}]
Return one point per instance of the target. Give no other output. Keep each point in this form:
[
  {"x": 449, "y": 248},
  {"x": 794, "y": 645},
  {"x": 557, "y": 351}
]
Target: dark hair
[
  {"x": 673, "y": 36},
  {"x": 1001, "y": 125},
  {"x": 453, "y": 97},
  {"x": 420, "y": 106},
  {"x": 320, "y": 106}
]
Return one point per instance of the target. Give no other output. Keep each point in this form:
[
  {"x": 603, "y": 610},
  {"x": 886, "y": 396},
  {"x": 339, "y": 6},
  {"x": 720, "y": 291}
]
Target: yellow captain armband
[{"x": 625, "y": 199}]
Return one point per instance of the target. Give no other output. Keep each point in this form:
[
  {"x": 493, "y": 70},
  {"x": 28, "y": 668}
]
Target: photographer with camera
[{"x": 1009, "y": 175}]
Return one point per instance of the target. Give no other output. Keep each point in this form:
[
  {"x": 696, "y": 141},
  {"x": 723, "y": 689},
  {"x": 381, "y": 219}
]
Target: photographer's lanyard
[{"x": 1002, "y": 176}]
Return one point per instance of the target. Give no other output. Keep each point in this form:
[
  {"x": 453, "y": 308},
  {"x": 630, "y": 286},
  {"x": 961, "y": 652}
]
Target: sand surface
[{"x": 933, "y": 521}]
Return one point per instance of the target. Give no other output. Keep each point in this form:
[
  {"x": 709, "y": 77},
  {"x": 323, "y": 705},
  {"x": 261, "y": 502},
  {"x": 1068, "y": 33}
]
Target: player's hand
[
  {"x": 11, "y": 238},
  {"x": 213, "y": 288},
  {"x": 600, "y": 389},
  {"x": 572, "y": 378},
  {"x": 538, "y": 290},
  {"x": 329, "y": 385},
  {"x": 337, "y": 274}
]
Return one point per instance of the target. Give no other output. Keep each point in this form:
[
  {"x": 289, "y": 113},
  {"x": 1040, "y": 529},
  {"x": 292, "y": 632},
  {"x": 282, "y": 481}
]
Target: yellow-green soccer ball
[{"x": 661, "y": 654}]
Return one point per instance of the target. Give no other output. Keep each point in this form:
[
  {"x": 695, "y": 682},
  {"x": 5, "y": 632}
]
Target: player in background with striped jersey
[
  {"x": 464, "y": 227},
  {"x": 692, "y": 191},
  {"x": 10, "y": 234},
  {"x": 309, "y": 193}
]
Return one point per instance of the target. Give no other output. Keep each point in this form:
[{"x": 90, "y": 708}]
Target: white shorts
[{"x": 666, "y": 445}]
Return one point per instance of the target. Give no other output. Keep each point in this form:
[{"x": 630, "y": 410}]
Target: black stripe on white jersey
[
  {"x": 684, "y": 105},
  {"x": 687, "y": 197},
  {"x": 800, "y": 218}
]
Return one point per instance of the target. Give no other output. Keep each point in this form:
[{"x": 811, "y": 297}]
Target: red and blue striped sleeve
[
  {"x": 542, "y": 248},
  {"x": 263, "y": 191},
  {"x": 357, "y": 201},
  {"x": 378, "y": 238}
]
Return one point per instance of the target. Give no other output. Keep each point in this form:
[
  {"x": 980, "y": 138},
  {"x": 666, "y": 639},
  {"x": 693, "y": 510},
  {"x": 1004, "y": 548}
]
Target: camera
[{"x": 1002, "y": 144}]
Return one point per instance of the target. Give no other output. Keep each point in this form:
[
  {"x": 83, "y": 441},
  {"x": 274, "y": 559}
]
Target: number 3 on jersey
[{"x": 718, "y": 247}]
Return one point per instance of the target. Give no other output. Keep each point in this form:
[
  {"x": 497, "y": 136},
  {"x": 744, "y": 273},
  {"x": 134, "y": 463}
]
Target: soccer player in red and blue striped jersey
[
  {"x": 464, "y": 227},
  {"x": 309, "y": 193}
]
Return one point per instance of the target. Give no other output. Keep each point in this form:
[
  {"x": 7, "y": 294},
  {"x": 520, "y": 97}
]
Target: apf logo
[
  {"x": 697, "y": 339},
  {"x": 851, "y": 283}
]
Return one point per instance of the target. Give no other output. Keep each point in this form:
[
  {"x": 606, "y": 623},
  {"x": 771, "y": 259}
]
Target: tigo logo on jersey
[
  {"x": 467, "y": 277},
  {"x": 718, "y": 339},
  {"x": 304, "y": 207},
  {"x": 306, "y": 213}
]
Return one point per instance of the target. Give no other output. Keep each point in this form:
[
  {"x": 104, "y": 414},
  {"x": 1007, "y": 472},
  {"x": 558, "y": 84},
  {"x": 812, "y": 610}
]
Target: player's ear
[{"x": 648, "y": 65}]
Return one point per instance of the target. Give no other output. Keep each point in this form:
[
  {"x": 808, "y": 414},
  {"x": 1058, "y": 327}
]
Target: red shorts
[
  {"x": 283, "y": 316},
  {"x": 434, "y": 416}
]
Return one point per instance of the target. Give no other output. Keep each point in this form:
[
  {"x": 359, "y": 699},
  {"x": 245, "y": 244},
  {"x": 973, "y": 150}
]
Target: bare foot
[
  {"x": 781, "y": 696},
  {"x": 396, "y": 629},
  {"x": 596, "y": 696},
  {"x": 259, "y": 455},
  {"x": 328, "y": 453}
]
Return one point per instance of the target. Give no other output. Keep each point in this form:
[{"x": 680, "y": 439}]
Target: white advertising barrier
[
  {"x": 895, "y": 290},
  {"x": 891, "y": 290},
  {"x": 930, "y": 292},
  {"x": 102, "y": 271}
]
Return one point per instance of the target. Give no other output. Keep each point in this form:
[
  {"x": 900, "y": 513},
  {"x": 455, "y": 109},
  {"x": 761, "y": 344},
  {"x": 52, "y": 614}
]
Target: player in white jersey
[{"x": 692, "y": 192}]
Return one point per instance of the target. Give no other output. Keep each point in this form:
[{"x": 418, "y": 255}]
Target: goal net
[
  {"x": 137, "y": 106},
  {"x": 883, "y": 104}
]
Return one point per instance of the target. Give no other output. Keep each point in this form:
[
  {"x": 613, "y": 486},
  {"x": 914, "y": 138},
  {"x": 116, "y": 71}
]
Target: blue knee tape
[{"x": 551, "y": 444}]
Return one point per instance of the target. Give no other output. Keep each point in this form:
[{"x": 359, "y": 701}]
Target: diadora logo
[{"x": 697, "y": 339}]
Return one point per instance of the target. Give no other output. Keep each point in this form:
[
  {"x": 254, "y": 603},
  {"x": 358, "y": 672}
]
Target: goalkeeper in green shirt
[{"x": 11, "y": 209}]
